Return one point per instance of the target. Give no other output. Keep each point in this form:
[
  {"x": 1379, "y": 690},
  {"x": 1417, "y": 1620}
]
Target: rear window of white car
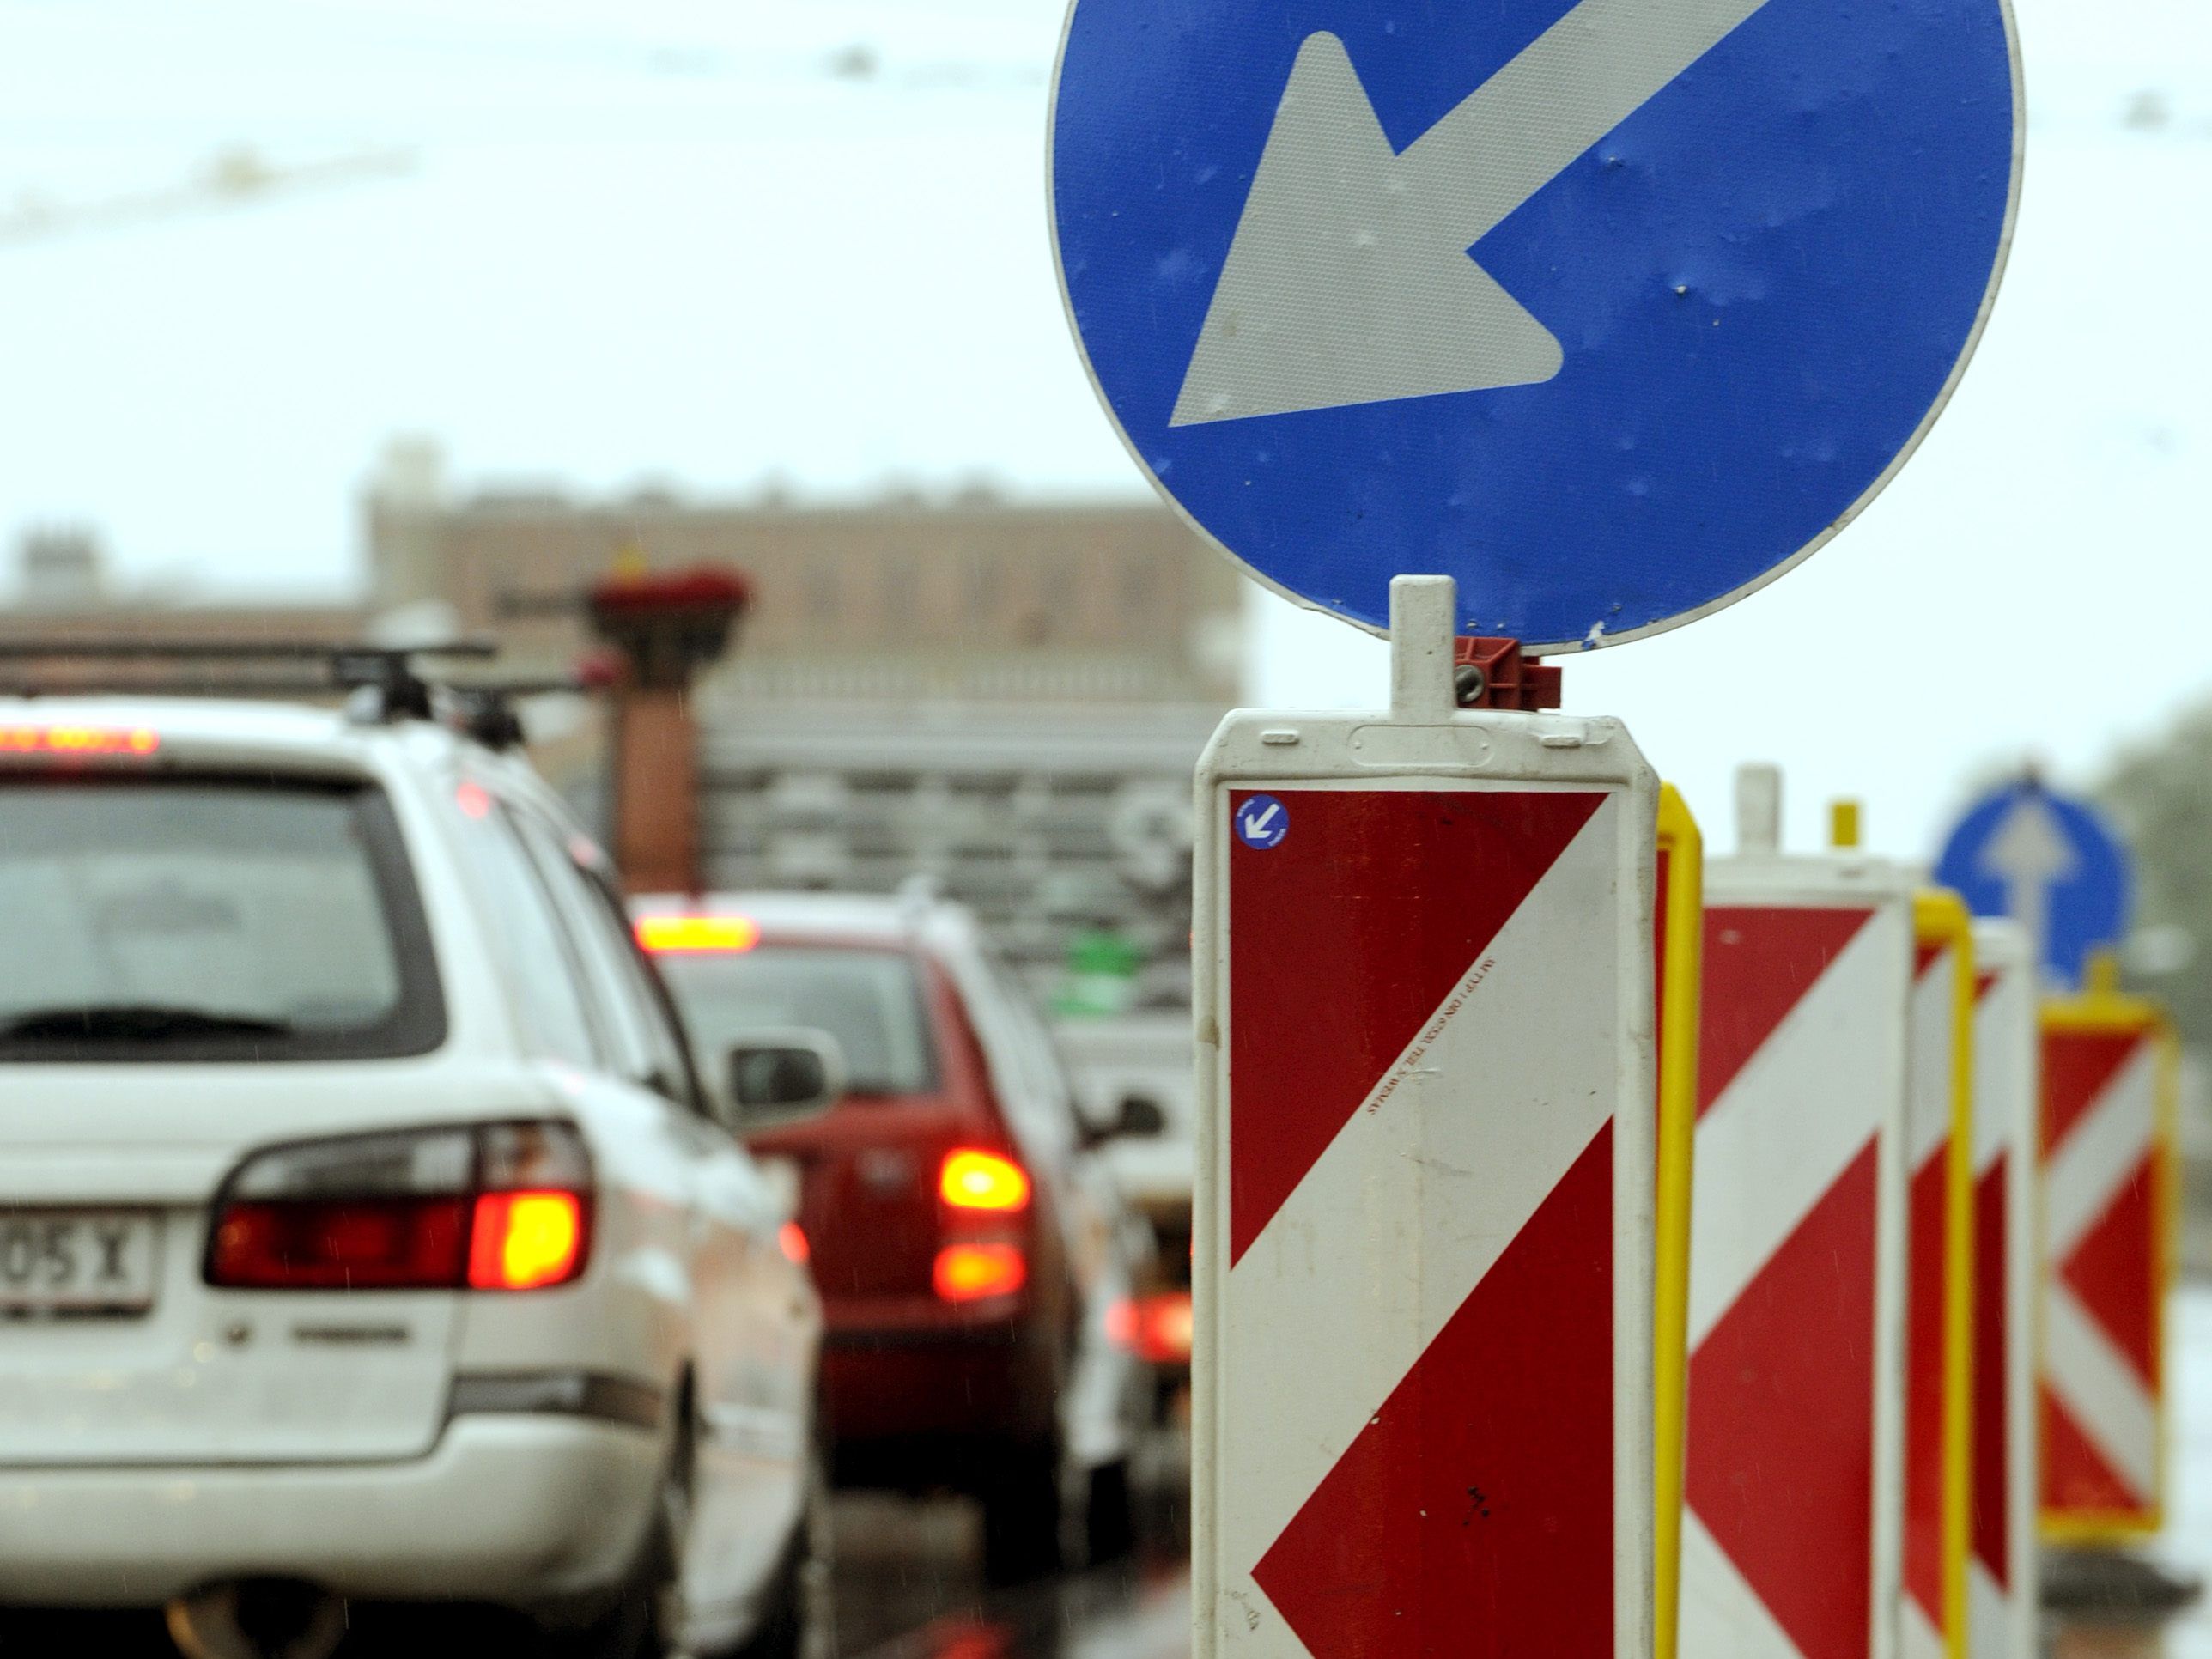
[
  {"x": 207, "y": 919},
  {"x": 869, "y": 1000}
]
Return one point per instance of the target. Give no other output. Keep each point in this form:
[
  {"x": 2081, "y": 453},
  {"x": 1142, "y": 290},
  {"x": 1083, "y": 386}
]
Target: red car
[{"x": 973, "y": 1260}]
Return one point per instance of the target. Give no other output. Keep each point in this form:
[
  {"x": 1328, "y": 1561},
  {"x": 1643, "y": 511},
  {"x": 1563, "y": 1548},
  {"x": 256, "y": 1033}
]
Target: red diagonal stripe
[
  {"x": 1759, "y": 962},
  {"x": 1926, "y": 1344},
  {"x": 1344, "y": 938},
  {"x": 1992, "y": 1386},
  {"x": 1923, "y": 957},
  {"x": 1781, "y": 1466},
  {"x": 2114, "y": 1272},
  {"x": 1474, "y": 1516},
  {"x": 2076, "y": 1479},
  {"x": 2076, "y": 1067}
]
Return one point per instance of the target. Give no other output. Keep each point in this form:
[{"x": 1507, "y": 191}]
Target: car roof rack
[
  {"x": 484, "y": 710},
  {"x": 385, "y": 678}
]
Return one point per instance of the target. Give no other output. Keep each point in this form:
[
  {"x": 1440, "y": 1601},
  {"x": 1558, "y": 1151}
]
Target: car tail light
[
  {"x": 973, "y": 1180},
  {"x": 711, "y": 935},
  {"x": 972, "y": 1272},
  {"x": 72, "y": 741},
  {"x": 1155, "y": 1328},
  {"x": 498, "y": 1207},
  {"x": 791, "y": 1239},
  {"x": 524, "y": 1241}
]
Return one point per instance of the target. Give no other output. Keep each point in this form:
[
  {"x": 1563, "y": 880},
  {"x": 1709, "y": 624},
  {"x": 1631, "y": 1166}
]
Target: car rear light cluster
[
  {"x": 976, "y": 1272},
  {"x": 972, "y": 1179},
  {"x": 982, "y": 1192},
  {"x": 498, "y": 1206},
  {"x": 1156, "y": 1328},
  {"x": 69, "y": 741}
]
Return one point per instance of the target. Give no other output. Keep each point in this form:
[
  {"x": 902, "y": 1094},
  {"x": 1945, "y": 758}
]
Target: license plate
[{"x": 77, "y": 1262}]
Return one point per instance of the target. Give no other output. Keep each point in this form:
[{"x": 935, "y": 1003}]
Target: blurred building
[
  {"x": 1006, "y": 698},
  {"x": 972, "y": 597},
  {"x": 63, "y": 591}
]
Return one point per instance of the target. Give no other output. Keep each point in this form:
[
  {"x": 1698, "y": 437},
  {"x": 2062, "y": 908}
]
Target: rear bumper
[
  {"x": 514, "y": 1510},
  {"x": 917, "y": 1407}
]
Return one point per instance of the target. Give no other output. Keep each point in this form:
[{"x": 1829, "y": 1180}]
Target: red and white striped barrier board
[
  {"x": 2108, "y": 1100},
  {"x": 1789, "y": 1542},
  {"x": 1424, "y": 1368},
  {"x": 1939, "y": 1286},
  {"x": 2002, "y": 1577}
]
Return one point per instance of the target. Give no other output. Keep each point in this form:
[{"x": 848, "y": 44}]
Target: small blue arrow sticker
[{"x": 1263, "y": 822}]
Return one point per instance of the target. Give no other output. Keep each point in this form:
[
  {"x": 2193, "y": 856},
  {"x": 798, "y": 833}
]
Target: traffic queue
[{"x": 393, "y": 1222}]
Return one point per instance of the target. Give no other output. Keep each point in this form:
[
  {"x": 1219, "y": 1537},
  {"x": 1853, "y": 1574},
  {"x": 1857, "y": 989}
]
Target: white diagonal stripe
[
  {"x": 1921, "y": 1639},
  {"x": 1488, "y": 1090},
  {"x": 1995, "y": 1621},
  {"x": 1722, "y": 1616},
  {"x": 2100, "y": 1389},
  {"x": 1928, "y": 1085},
  {"x": 1791, "y": 1121},
  {"x": 2101, "y": 1153}
]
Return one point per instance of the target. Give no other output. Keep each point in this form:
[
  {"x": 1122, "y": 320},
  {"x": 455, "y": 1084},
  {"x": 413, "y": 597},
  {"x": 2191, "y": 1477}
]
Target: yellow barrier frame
[
  {"x": 1681, "y": 978},
  {"x": 1940, "y": 919}
]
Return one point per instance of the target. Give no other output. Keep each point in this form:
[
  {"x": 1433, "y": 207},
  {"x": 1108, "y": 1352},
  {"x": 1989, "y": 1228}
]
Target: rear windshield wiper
[{"x": 134, "y": 1022}]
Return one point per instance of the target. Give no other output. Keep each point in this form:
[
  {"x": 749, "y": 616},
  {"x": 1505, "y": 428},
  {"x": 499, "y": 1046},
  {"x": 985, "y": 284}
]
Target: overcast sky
[{"x": 713, "y": 245}]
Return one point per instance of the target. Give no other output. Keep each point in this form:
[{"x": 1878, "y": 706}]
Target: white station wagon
[{"x": 366, "y": 1236}]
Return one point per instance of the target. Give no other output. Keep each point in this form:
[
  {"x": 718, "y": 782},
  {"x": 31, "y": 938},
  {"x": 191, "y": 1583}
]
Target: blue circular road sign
[
  {"x": 1612, "y": 310},
  {"x": 2051, "y": 862},
  {"x": 1263, "y": 822}
]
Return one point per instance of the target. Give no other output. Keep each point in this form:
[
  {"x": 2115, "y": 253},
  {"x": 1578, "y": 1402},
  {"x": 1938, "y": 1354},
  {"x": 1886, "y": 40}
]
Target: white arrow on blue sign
[
  {"x": 2049, "y": 861},
  {"x": 1263, "y": 822},
  {"x": 1612, "y": 310}
]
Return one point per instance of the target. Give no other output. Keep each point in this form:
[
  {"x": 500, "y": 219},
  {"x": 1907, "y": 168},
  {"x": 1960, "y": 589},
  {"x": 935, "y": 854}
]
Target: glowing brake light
[
  {"x": 729, "y": 935},
  {"x": 1156, "y": 1328},
  {"x": 972, "y": 1179},
  {"x": 77, "y": 740},
  {"x": 791, "y": 1239},
  {"x": 972, "y": 1272},
  {"x": 523, "y": 1241}
]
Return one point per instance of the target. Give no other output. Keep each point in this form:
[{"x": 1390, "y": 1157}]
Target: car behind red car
[{"x": 974, "y": 1259}]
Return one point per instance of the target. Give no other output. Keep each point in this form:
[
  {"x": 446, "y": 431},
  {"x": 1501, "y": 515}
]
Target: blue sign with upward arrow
[
  {"x": 1611, "y": 309},
  {"x": 2050, "y": 862}
]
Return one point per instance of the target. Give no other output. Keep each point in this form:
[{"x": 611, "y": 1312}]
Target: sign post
[
  {"x": 1588, "y": 318},
  {"x": 1791, "y": 1530},
  {"x": 1424, "y": 1366}
]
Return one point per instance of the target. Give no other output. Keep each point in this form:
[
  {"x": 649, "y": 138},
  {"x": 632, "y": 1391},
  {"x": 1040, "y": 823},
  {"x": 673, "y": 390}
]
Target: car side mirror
[
  {"x": 781, "y": 1076},
  {"x": 1138, "y": 1117}
]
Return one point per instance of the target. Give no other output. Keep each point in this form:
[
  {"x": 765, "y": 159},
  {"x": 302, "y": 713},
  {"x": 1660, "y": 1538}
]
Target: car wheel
[
  {"x": 801, "y": 1621},
  {"x": 647, "y": 1619},
  {"x": 1109, "y": 1515},
  {"x": 1023, "y": 1508}
]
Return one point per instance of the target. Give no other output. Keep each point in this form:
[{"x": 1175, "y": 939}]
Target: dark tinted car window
[
  {"x": 207, "y": 919},
  {"x": 869, "y": 1000}
]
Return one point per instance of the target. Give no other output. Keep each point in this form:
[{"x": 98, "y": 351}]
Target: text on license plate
[{"x": 76, "y": 1261}]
